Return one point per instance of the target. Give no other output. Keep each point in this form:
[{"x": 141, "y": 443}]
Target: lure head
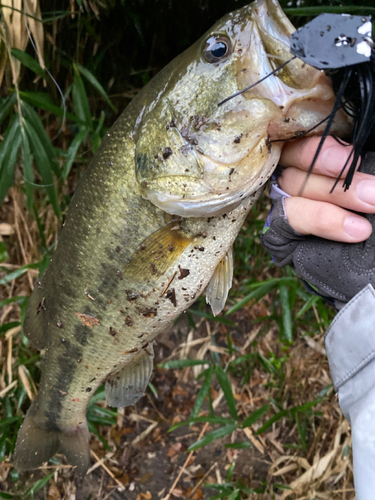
[{"x": 195, "y": 158}]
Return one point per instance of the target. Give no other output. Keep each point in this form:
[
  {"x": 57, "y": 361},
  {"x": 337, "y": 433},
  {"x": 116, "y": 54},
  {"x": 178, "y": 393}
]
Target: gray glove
[
  {"x": 344, "y": 274},
  {"x": 334, "y": 270}
]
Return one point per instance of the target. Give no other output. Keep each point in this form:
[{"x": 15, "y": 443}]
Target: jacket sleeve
[{"x": 350, "y": 346}]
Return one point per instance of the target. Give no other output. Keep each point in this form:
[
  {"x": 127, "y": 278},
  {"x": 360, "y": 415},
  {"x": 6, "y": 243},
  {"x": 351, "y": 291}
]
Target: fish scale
[{"x": 140, "y": 244}]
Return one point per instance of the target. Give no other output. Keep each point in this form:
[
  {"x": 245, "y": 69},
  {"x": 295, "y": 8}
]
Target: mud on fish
[{"x": 152, "y": 223}]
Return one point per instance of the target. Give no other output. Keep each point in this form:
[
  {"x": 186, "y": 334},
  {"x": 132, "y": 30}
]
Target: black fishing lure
[{"x": 343, "y": 47}]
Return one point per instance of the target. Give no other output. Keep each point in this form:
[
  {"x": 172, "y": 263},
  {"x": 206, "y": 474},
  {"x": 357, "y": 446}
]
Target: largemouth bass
[{"x": 152, "y": 224}]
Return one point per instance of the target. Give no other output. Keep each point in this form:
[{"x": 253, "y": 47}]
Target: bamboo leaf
[
  {"x": 3, "y": 254},
  {"x": 212, "y": 436},
  {"x": 44, "y": 166},
  {"x": 94, "y": 82},
  {"x": 255, "y": 416},
  {"x": 8, "y": 156},
  {"x": 27, "y": 168},
  {"x": 29, "y": 62},
  {"x": 72, "y": 151},
  {"x": 255, "y": 294},
  {"x": 227, "y": 389},
  {"x": 201, "y": 396},
  {"x": 81, "y": 103},
  {"x": 40, "y": 100},
  {"x": 183, "y": 363},
  {"x": 6, "y": 105},
  {"x": 33, "y": 119}
]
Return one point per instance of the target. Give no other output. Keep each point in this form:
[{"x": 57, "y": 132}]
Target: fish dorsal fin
[
  {"x": 127, "y": 386},
  {"x": 220, "y": 284}
]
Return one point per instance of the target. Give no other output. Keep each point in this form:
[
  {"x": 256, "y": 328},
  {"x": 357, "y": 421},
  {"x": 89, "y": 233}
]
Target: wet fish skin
[{"x": 177, "y": 171}]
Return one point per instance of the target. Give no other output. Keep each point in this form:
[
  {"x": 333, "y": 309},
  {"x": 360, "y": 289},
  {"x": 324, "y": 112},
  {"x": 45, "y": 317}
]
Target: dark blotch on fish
[
  {"x": 128, "y": 321},
  {"x": 167, "y": 152},
  {"x": 112, "y": 331},
  {"x": 183, "y": 273},
  {"x": 237, "y": 139},
  {"x": 150, "y": 312},
  {"x": 41, "y": 306},
  {"x": 171, "y": 295},
  {"x": 130, "y": 295}
]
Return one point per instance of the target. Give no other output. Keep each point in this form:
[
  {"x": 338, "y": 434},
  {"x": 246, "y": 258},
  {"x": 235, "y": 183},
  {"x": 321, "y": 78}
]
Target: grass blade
[
  {"x": 255, "y": 416},
  {"x": 6, "y": 105},
  {"x": 212, "y": 436},
  {"x": 286, "y": 313},
  {"x": 227, "y": 389},
  {"x": 178, "y": 364},
  {"x": 40, "y": 100},
  {"x": 201, "y": 396},
  {"x": 255, "y": 294}
]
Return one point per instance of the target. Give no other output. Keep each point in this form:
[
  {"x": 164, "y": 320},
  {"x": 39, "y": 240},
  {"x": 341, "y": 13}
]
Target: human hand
[{"x": 317, "y": 211}]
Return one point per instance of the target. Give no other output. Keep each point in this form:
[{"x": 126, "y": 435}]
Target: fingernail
[
  {"x": 334, "y": 159},
  {"x": 366, "y": 191},
  {"x": 357, "y": 227}
]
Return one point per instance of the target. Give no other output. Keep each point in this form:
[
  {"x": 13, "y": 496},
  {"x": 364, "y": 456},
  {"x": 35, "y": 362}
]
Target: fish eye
[{"x": 217, "y": 48}]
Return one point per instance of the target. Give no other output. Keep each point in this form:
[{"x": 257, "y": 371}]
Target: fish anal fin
[
  {"x": 220, "y": 284},
  {"x": 36, "y": 445},
  {"x": 158, "y": 252},
  {"x": 127, "y": 386}
]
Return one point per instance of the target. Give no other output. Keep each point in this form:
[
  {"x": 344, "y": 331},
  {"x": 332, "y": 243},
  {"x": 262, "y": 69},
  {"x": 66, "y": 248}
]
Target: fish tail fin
[{"x": 36, "y": 445}]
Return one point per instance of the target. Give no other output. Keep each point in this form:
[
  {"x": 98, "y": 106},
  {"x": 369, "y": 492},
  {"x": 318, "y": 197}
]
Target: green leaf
[
  {"x": 41, "y": 101},
  {"x": 72, "y": 151},
  {"x": 183, "y": 363},
  {"x": 44, "y": 163},
  {"x": 212, "y": 436},
  {"x": 39, "y": 485},
  {"x": 201, "y": 396},
  {"x": 6, "y": 105},
  {"x": 81, "y": 103},
  {"x": 8, "y": 156},
  {"x": 29, "y": 62},
  {"x": 3, "y": 253},
  {"x": 255, "y": 416},
  {"x": 272, "y": 420},
  {"x": 17, "y": 273},
  {"x": 33, "y": 119},
  {"x": 227, "y": 389},
  {"x": 211, "y": 317},
  {"x": 313, "y": 299},
  {"x": 27, "y": 168},
  {"x": 255, "y": 294},
  {"x": 7, "y": 326},
  {"x": 238, "y": 446},
  {"x": 286, "y": 313},
  {"x": 94, "y": 82}
]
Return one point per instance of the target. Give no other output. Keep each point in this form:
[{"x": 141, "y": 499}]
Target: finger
[
  {"x": 326, "y": 220},
  {"x": 330, "y": 161},
  {"x": 360, "y": 197}
]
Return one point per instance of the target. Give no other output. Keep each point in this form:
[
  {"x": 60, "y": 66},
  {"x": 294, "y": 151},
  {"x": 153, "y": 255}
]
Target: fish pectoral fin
[
  {"x": 220, "y": 284},
  {"x": 158, "y": 252},
  {"x": 127, "y": 386}
]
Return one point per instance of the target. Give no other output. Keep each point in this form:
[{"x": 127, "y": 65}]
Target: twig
[
  {"x": 8, "y": 388},
  {"x": 145, "y": 433},
  {"x": 121, "y": 486},
  {"x": 168, "y": 496},
  {"x": 201, "y": 480},
  {"x": 167, "y": 285}
]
